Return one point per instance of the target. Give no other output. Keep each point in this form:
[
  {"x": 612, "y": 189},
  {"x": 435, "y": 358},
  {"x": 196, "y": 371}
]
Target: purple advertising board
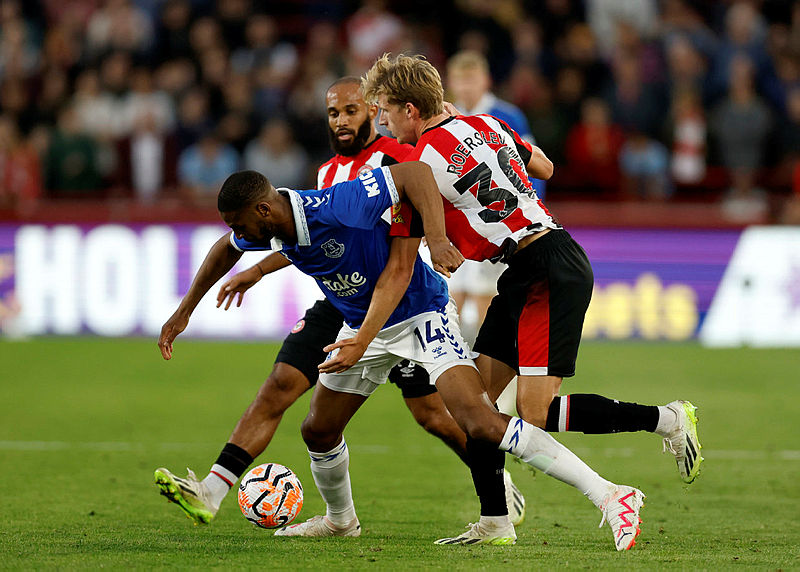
[{"x": 127, "y": 279}]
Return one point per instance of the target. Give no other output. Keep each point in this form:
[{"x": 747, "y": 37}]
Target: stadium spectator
[
  {"x": 71, "y": 165},
  {"x": 687, "y": 131},
  {"x": 275, "y": 152},
  {"x": 686, "y": 67},
  {"x": 118, "y": 25},
  {"x": 606, "y": 16},
  {"x": 372, "y": 31},
  {"x": 19, "y": 54},
  {"x": 193, "y": 117},
  {"x": 204, "y": 166},
  {"x": 172, "y": 32},
  {"x": 20, "y": 175},
  {"x": 745, "y": 35},
  {"x": 593, "y": 147},
  {"x": 94, "y": 106},
  {"x": 635, "y": 105},
  {"x": 644, "y": 164},
  {"x": 469, "y": 81},
  {"x": 261, "y": 36},
  {"x": 740, "y": 126},
  {"x": 147, "y": 160},
  {"x": 144, "y": 98}
]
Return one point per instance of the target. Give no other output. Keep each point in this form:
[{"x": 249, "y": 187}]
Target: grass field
[{"x": 83, "y": 423}]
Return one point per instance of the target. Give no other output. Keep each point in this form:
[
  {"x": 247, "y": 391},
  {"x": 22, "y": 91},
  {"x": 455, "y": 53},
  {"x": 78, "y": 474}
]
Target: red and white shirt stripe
[
  {"x": 479, "y": 163},
  {"x": 383, "y": 151}
]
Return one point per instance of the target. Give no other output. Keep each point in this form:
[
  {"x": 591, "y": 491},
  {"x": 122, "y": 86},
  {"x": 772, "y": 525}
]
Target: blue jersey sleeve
[
  {"x": 243, "y": 245},
  {"x": 361, "y": 202}
]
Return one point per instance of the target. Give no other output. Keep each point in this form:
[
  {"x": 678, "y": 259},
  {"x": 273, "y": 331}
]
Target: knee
[
  {"x": 485, "y": 428},
  {"x": 439, "y": 423},
  {"x": 316, "y": 437},
  {"x": 277, "y": 393}
]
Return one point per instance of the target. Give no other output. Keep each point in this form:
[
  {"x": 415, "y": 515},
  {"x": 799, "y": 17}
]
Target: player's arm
[
  {"x": 244, "y": 280},
  {"x": 389, "y": 290},
  {"x": 539, "y": 166},
  {"x": 415, "y": 181},
  {"x": 219, "y": 260}
]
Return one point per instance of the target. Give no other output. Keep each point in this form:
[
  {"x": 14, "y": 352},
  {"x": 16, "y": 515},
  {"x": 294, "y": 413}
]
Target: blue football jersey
[{"x": 343, "y": 243}]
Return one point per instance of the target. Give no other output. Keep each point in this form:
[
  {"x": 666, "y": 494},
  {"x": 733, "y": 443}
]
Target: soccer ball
[{"x": 270, "y": 495}]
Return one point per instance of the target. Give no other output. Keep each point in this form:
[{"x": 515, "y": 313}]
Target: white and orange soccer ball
[{"x": 270, "y": 495}]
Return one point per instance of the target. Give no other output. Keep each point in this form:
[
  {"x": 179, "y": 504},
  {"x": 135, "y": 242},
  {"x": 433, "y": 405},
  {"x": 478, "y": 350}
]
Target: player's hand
[
  {"x": 451, "y": 109},
  {"x": 169, "y": 331},
  {"x": 239, "y": 284},
  {"x": 350, "y": 351},
  {"x": 445, "y": 257}
]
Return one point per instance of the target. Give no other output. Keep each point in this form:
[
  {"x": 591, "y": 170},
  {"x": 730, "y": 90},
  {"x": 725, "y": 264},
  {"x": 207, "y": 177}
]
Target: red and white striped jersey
[
  {"x": 383, "y": 151},
  {"x": 479, "y": 163}
]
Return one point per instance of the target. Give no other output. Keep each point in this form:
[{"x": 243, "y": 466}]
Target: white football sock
[
  {"x": 331, "y": 475},
  {"x": 538, "y": 449},
  {"x": 667, "y": 419},
  {"x": 218, "y": 482},
  {"x": 492, "y": 522}
]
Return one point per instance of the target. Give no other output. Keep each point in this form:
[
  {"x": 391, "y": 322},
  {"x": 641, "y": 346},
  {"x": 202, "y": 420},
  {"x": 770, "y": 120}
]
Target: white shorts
[
  {"x": 431, "y": 340},
  {"x": 476, "y": 278}
]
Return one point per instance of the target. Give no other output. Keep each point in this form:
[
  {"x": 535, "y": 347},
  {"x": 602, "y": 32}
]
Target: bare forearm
[
  {"x": 390, "y": 288},
  {"x": 539, "y": 166},
  {"x": 272, "y": 262},
  {"x": 219, "y": 260}
]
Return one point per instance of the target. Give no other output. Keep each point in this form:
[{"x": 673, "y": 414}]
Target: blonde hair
[
  {"x": 406, "y": 79},
  {"x": 467, "y": 60}
]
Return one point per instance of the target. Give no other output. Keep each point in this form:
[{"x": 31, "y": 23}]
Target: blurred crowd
[{"x": 150, "y": 99}]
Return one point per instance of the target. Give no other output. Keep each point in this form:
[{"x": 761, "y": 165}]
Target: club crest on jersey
[
  {"x": 299, "y": 326},
  {"x": 370, "y": 183},
  {"x": 365, "y": 168},
  {"x": 397, "y": 214},
  {"x": 332, "y": 249}
]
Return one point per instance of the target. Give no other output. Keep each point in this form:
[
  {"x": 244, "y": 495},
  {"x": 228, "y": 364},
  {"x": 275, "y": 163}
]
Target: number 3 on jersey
[
  {"x": 431, "y": 335},
  {"x": 486, "y": 195}
]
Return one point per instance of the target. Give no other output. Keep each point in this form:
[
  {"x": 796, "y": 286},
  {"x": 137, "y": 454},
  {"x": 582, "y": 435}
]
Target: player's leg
[
  {"x": 547, "y": 291},
  {"x": 335, "y": 400},
  {"x": 489, "y": 431},
  {"x": 428, "y": 409},
  {"x": 294, "y": 372},
  {"x": 427, "y": 406}
]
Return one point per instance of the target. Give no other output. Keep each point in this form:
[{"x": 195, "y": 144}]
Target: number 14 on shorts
[{"x": 431, "y": 335}]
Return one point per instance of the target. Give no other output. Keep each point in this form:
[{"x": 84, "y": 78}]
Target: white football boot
[
  {"x": 514, "y": 500},
  {"x": 188, "y": 493},
  {"x": 484, "y": 533},
  {"x": 621, "y": 512},
  {"x": 320, "y": 526},
  {"x": 682, "y": 440}
]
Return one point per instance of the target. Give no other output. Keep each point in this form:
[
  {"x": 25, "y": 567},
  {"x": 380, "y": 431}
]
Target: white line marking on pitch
[{"x": 375, "y": 449}]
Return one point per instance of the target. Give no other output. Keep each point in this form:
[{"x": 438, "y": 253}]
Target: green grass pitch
[{"x": 84, "y": 422}]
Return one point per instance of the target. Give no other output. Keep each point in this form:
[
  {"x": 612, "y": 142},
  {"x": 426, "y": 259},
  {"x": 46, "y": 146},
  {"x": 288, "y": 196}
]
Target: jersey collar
[
  {"x": 445, "y": 122},
  {"x": 300, "y": 221}
]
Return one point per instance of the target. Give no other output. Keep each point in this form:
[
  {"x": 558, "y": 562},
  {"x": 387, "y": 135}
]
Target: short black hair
[
  {"x": 345, "y": 80},
  {"x": 241, "y": 190}
]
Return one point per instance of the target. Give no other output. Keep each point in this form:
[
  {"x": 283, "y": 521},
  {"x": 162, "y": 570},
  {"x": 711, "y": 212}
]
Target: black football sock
[
  {"x": 234, "y": 459},
  {"x": 589, "y": 413},
  {"x": 486, "y": 464}
]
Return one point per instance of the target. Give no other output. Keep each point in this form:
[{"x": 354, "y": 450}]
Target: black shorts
[
  {"x": 302, "y": 349},
  {"x": 534, "y": 323}
]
